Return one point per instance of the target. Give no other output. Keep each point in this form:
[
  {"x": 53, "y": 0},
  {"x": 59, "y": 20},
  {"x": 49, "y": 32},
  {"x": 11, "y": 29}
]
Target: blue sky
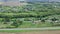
[
  {"x": 21, "y": 0},
  {"x": 29, "y": 0}
]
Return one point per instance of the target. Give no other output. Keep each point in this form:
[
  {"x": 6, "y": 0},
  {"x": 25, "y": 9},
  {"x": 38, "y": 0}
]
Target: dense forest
[{"x": 31, "y": 15}]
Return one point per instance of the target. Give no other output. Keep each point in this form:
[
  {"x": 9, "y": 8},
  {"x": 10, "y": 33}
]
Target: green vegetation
[
  {"x": 15, "y": 31},
  {"x": 31, "y": 15}
]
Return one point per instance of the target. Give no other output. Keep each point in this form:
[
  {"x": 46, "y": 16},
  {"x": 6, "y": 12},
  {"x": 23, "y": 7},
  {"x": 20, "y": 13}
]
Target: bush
[{"x": 17, "y": 23}]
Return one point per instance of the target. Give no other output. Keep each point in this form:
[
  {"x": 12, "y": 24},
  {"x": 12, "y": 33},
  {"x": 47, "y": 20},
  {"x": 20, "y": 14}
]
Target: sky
[{"x": 31, "y": 0}]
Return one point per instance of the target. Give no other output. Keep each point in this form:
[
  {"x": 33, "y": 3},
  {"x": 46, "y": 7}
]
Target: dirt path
[{"x": 41, "y": 32}]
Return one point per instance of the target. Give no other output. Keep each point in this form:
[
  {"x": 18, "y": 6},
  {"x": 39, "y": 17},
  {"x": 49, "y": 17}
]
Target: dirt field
[{"x": 41, "y": 32}]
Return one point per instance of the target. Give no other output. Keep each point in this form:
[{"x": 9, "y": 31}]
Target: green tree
[
  {"x": 17, "y": 23},
  {"x": 6, "y": 20}
]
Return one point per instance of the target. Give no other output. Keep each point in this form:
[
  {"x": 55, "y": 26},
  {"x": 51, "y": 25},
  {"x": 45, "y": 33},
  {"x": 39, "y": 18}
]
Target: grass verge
[{"x": 14, "y": 31}]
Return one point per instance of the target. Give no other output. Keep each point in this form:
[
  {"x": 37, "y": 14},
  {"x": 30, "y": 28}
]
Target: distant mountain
[
  {"x": 7, "y": 0},
  {"x": 21, "y": 2},
  {"x": 12, "y": 2}
]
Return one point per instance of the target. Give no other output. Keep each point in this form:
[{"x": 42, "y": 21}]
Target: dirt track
[{"x": 41, "y": 32}]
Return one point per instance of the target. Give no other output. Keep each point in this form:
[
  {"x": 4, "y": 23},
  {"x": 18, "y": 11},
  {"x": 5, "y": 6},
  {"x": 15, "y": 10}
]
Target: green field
[{"x": 32, "y": 15}]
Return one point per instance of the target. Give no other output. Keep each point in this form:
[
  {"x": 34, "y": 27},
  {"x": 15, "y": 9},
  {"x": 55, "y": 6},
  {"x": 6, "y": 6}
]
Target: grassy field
[{"x": 32, "y": 15}]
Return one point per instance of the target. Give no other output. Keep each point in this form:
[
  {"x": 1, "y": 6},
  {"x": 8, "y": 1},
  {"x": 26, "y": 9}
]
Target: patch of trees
[{"x": 38, "y": 10}]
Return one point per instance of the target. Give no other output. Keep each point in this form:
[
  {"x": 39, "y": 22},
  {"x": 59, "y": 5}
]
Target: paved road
[{"x": 45, "y": 28}]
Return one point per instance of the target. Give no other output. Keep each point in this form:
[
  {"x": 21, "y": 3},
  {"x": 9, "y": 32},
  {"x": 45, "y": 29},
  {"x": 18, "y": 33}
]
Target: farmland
[{"x": 32, "y": 15}]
